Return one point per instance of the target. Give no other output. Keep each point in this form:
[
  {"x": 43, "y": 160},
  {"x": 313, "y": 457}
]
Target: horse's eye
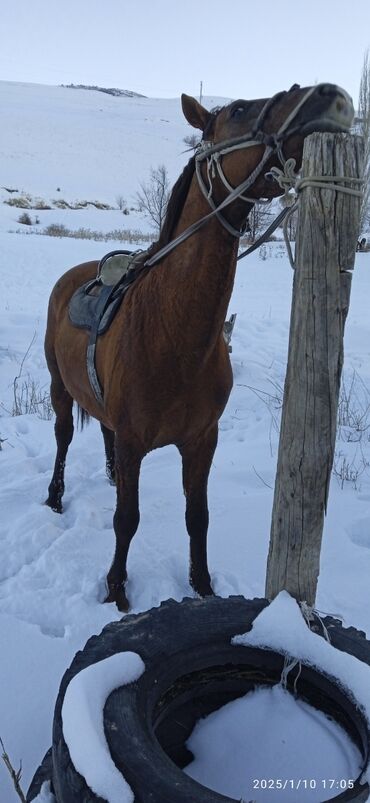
[{"x": 237, "y": 111}]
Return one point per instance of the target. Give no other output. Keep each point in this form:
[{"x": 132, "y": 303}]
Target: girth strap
[{"x": 105, "y": 294}]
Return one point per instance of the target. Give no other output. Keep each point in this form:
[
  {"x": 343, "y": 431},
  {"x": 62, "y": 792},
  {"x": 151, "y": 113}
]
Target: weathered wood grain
[{"x": 325, "y": 252}]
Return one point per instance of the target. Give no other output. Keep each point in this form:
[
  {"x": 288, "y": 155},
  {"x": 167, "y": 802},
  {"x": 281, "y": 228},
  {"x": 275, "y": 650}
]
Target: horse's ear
[{"x": 195, "y": 114}]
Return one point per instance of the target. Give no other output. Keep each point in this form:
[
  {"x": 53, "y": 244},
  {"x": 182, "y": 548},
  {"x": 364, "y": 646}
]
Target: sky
[{"x": 160, "y": 48}]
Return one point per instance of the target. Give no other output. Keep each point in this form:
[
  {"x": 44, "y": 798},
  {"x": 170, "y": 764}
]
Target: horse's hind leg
[
  {"x": 108, "y": 436},
  {"x": 196, "y": 463},
  {"x": 62, "y": 404},
  {"x": 126, "y": 518}
]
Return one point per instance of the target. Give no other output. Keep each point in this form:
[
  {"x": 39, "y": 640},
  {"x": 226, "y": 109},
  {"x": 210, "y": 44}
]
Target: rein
[{"x": 212, "y": 153}]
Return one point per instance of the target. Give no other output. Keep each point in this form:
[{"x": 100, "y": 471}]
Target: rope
[
  {"x": 310, "y": 614},
  {"x": 288, "y": 179},
  {"x": 289, "y": 665}
]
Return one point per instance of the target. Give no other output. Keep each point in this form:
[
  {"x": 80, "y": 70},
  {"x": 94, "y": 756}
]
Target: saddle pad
[{"x": 94, "y": 305}]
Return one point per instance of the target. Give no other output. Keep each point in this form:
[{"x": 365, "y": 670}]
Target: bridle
[{"x": 212, "y": 153}]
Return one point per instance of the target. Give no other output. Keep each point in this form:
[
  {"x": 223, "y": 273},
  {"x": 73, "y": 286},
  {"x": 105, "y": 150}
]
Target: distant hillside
[
  {"x": 73, "y": 146},
  {"x": 118, "y": 93}
]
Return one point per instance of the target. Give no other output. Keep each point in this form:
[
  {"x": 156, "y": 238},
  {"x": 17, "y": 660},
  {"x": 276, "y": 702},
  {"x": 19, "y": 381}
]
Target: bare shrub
[
  {"x": 30, "y": 397},
  {"x": 21, "y": 201},
  {"x": 63, "y": 204},
  {"x": 273, "y": 402},
  {"x": 25, "y": 219},
  {"x": 14, "y": 774},
  {"x": 353, "y": 409},
  {"x": 259, "y": 219},
  {"x": 193, "y": 140},
  {"x": 56, "y": 230},
  {"x": 40, "y": 204},
  {"x": 348, "y": 471},
  {"x": 121, "y": 203},
  {"x": 153, "y": 196}
]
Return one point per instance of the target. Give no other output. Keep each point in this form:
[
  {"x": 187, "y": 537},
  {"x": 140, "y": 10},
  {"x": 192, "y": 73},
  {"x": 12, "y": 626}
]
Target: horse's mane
[
  {"x": 174, "y": 208},
  {"x": 176, "y": 202}
]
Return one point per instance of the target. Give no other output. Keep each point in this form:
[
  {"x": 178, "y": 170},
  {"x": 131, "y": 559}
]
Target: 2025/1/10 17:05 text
[{"x": 303, "y": 783}]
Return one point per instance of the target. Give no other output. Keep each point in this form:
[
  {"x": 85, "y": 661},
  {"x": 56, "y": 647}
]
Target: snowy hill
[{"x": 89, "y": 144}]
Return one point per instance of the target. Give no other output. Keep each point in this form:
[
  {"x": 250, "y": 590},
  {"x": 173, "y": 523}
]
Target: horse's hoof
[
  {"x": 203, "y": 588},
  {"x": 207, "y": 591},
  {"x": 116, "y": 593},
  {"x": 55, "y": 506}
]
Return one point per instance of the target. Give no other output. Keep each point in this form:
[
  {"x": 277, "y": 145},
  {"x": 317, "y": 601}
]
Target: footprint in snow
[
  {"x": 359, "y": 532},
  {"x": 22, "y": 427}
]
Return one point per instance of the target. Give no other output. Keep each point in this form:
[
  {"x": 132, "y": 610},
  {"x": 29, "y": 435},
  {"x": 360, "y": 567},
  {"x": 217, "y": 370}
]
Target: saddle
[{"x": 94, "y": 305}]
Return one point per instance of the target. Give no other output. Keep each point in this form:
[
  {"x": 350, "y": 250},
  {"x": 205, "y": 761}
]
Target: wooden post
[{"x": 326, "y": 240}]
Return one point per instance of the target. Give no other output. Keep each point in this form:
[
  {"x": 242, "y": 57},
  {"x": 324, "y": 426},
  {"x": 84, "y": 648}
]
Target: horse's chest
[{"x": 189, "y": 407}]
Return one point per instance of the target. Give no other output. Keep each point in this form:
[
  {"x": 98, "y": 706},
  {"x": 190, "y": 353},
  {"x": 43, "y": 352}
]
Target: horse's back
[{"x": 69, "y": 282}]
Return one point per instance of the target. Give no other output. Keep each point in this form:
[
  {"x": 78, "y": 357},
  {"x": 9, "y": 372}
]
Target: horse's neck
[{"x": 197, "y": 279}]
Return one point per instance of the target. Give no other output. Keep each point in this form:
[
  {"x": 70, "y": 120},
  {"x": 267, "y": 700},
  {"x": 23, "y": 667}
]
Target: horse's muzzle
[{"x": 339, "y": 114}]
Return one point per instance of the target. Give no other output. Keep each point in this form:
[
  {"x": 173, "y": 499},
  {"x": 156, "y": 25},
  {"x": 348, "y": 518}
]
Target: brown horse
[{"x": 163, "y": 365}]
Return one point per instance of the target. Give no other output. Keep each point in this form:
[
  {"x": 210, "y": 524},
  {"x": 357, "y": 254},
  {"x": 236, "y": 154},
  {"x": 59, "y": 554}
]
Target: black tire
[
  {"x": 191, "y": 669},
  {"x": 43, "y": 773}
]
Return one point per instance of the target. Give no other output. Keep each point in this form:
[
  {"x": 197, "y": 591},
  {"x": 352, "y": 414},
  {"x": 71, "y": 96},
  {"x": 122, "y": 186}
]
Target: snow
[
  {"x": 282, "y": 627},
  {"x": 267, "y": 736},
  {"x": 83, "y": 726},
  {"x": 45, "y": 795},
  {"x": 52, "y": 567}
]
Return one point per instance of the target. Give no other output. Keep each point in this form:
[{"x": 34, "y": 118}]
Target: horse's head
[{"x": 247, "y": 137}]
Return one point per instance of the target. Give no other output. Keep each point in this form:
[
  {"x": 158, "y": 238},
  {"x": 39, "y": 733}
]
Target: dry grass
[
  {"x": 20, "y": 201},
  {"x": 121, "y": 235},
  {"x": 26, "y": 201},
  {"x": 62, "y": 204}
]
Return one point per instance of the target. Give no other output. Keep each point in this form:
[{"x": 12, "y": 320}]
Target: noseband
[{"x": 212, "y": 154}]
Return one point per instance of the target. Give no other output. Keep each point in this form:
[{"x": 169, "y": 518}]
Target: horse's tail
[{"x": 83, "y": 417}]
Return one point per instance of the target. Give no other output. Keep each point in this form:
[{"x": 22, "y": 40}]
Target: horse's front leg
[
  {"x": 126, "y": 517},
  {"x": 196, "y": 462}
]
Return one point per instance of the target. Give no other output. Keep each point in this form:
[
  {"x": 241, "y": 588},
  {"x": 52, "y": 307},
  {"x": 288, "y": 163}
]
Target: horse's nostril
[
  {"x": 342, "y": 106},
  {"x": 326, "y": 89}
]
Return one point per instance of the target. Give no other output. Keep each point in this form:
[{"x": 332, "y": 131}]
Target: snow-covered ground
[{"x": 52, "y": 568}]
